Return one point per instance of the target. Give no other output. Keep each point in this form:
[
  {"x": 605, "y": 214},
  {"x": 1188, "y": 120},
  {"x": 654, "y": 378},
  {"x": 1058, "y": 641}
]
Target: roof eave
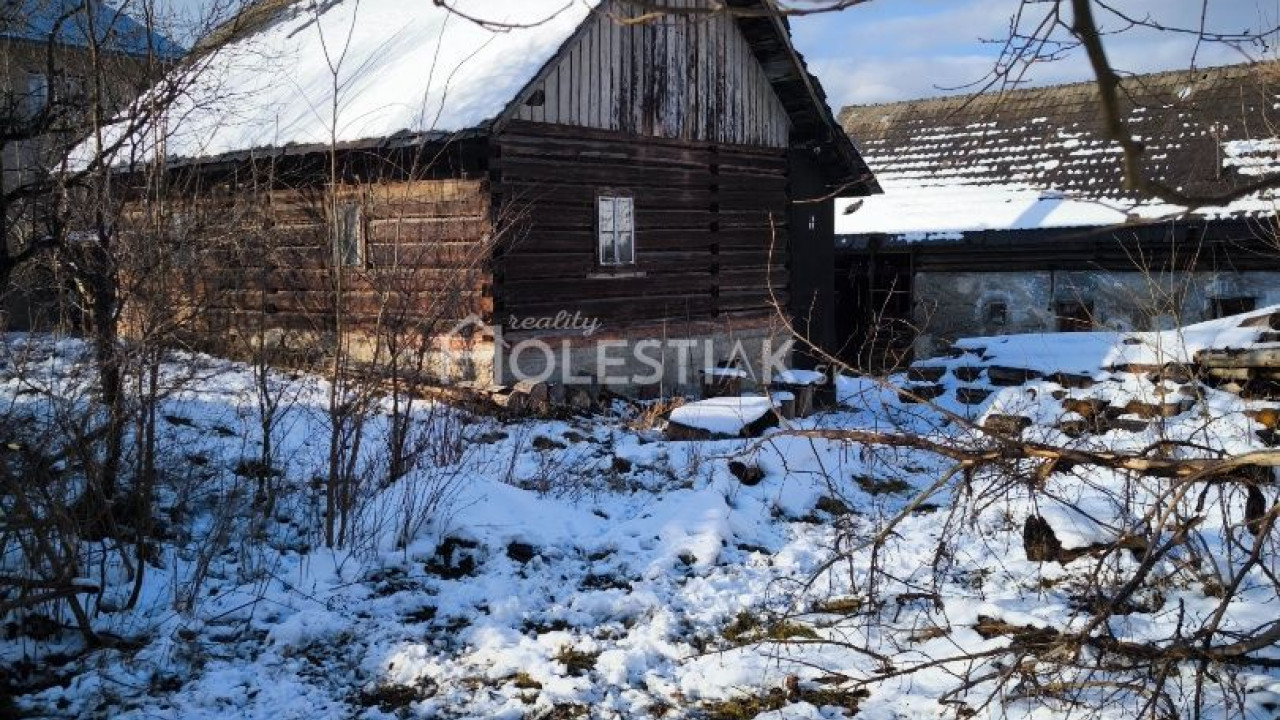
[
  {"x": 848, "y": 174},
  {"x": 397, "y": 141}
]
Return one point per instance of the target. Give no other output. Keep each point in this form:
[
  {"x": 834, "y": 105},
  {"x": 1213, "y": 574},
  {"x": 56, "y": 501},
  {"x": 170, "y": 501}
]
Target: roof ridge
[
  {"x": 247, "y": 20},
  {"x": 1015, "y": 93}
]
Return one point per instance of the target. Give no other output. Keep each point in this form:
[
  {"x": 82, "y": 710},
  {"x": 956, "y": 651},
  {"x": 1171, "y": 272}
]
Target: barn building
[
  {"x": 567, "y": 171},
  {"x": 1006, "y": 213}
]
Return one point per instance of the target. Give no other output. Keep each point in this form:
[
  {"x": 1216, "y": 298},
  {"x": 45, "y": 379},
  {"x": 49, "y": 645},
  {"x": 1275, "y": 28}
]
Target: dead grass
[
  {"x": 839, "y": 606},
  {"x": 882, "y": 486},
  {"x": 748, "y": 628},
  {"x": 391, "y": 698},
  {"x": 525, "y": 681},
  {"x": 928, "y": 633},
  {"x": 654, "y": 414},
  {"x": 831, "y": 505},
  {"x": 751, "y": 706},
  {"x": 576, "y": 662}
]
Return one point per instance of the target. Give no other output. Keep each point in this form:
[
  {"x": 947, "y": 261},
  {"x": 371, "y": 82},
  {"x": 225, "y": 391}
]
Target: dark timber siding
[
  {"x": 426, "y": 251},
  {"x": 702, "y": 226},
  {"x": 683, "y": 76}
]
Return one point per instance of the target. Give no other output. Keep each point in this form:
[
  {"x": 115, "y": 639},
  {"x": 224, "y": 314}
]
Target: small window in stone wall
[
  {"x": 996, "y": 312},
  {"x": 1074, "y": 315},
  {"x": 1225, "y": 306}
]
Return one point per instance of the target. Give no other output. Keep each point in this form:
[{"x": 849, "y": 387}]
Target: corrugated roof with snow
[{"x": 1037, "y": 158}]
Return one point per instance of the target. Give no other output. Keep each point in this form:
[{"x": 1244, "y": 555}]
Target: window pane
[
  {"x": 617, "y": 235},
  {"x": 626, "y": 248},
  {"x": 625, "y": 220},
  {"x": 608, "y": 249},
  {"x": 37, "y": 94},
  {"x": 605, "y": 220},
  {"x": 606, "y": 215}
]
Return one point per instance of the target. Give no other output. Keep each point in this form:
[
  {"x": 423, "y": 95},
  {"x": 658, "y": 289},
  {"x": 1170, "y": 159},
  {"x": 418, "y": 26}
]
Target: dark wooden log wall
[
  {"x": 684, "y": 76},
  {"x": 427, "y": 251},
  {"x": 703, "y": 230}
]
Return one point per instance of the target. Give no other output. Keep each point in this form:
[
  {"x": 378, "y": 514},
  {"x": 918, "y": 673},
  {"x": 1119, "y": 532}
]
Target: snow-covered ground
[{"x": 585, "y": 568}]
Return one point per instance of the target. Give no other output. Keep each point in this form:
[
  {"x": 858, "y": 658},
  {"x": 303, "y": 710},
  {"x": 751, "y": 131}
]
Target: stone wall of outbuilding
[{"x": 951, "y": 305}]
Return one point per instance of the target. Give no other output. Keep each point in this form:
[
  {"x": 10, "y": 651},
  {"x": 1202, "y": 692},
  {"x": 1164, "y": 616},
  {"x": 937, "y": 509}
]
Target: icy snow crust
[
  {"x": 641, "y": 568},
  {"x": 362, "y": 69}
]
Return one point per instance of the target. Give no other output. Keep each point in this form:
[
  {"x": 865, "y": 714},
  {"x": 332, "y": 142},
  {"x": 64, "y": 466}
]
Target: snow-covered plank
[{"x": 724, "y": 416}]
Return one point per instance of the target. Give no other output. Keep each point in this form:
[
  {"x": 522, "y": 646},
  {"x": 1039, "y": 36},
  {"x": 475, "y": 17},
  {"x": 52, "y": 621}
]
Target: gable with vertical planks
[{"x": 685, "y": 76}]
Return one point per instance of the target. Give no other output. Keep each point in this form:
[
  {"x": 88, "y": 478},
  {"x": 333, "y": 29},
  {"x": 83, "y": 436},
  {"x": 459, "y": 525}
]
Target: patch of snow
[
  {"x": 725, "y": 372},
  {"x": 722, "y": 415},
  {"x": 801, "y": 377}
]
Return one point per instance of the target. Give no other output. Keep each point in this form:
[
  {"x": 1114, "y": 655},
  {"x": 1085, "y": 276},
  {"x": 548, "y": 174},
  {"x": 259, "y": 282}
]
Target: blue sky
[{"x": 886, "y": 50}]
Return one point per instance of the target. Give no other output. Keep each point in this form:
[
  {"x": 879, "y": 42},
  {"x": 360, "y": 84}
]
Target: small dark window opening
[
  {"x": 36, "y": 94},
  {"x": 537, "y": 98},
  {"x": 615, "y": 220},
  {"x": 1223, "y": 307},
  {"x": 348, "y": 235},
  {"x": 181, "y": 236},
  {"x": 997, "y": 312},
  {"x": 1074, "y": 316}
]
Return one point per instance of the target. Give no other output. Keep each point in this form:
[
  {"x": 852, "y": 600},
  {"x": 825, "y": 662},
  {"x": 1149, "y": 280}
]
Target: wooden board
[
  {"x": 701, "y": 251},
  {"x": 683, "y": 75}
]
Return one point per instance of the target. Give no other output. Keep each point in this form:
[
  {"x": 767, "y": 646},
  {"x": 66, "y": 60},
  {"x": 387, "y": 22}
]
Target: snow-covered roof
[
  {"x": 66, "y": 22},
  {"x": 302, "y": 75},
  {"x": 351, "y": 70},
  {"x": 1037, "y": 158}
]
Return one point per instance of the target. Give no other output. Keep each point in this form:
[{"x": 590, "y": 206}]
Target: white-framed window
[
  {"x": 348, "y": 235},
  {"x": 615, "y": 218}
]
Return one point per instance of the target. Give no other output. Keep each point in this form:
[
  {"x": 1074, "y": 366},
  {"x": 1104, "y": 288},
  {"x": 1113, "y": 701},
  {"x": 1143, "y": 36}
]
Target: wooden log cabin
[{"x": 574, "y": 173}]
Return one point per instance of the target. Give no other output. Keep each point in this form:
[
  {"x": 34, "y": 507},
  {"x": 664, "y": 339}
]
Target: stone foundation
[
  {"x": 660, "y": 360},
  {"x": 637, "y": 360}
]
